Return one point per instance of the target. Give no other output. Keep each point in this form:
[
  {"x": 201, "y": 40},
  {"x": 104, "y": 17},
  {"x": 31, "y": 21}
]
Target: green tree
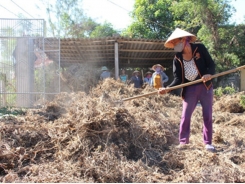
[
  {"x": 234, "y": 37},
  {"x": 208, "y": 19},
  {"x": 83, "y": 28},
  {"x": 231, "y": 39},
  {"x": 151, "y": 19},
  {"x": 103, "y": 30},
  {"x": 66, "y": 19},
  {"x": 203, "y": 18}
]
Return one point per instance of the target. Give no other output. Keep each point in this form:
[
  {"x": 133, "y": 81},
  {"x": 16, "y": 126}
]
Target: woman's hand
[
  {"x": 206, "y": 77},
  {"x": 163, "y": 91}
]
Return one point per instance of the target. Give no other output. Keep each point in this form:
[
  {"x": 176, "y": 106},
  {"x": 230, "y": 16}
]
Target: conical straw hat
[
  {"x": 136, "y": 71},
  {"x": 148, "y": 73},
  {"x": 178, "y": 33},
  {"x": 156, "y": 65}
]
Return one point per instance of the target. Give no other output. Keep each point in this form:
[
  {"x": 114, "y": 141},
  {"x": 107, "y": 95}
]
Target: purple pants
[{"x": 193, "y": 94}]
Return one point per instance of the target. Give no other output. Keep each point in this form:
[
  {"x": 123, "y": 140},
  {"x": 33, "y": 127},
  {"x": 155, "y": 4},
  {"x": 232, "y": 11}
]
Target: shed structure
[{"x": 113, "y": 52}]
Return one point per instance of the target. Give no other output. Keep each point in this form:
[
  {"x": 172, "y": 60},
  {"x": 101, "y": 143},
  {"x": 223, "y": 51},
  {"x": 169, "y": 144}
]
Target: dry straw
[{"x": 82, "y": 137}]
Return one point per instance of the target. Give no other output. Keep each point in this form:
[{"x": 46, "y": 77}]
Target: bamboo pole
[{"x": 186, "y": 84}]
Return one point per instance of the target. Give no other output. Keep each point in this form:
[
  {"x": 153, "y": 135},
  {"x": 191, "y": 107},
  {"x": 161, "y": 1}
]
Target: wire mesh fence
[{"x": 28, "y": 77}]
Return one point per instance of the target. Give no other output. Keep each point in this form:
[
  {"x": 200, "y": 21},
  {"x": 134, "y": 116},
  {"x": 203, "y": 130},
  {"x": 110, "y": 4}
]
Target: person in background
[
  {"x": 192, "y": 62},
  {"x": 136, "y": 79},
  {"x": 148, "y": 78},
  {"x": 158, "y": 77},
  {"x": 123, "y": 76},
  {"x": 105, "y": 73}
]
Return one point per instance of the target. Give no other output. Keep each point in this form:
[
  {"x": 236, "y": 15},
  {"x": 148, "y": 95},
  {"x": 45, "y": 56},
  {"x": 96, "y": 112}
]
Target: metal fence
[{"x": 28, "y": 77}]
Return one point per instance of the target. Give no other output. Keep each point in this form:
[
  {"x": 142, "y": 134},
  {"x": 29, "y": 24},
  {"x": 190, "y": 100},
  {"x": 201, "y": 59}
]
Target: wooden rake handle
[{"x": 186, "y": 84}]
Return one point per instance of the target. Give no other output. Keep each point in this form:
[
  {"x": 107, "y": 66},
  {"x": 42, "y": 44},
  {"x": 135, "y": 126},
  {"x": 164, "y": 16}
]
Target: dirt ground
[{"x": 96, "y": 137}]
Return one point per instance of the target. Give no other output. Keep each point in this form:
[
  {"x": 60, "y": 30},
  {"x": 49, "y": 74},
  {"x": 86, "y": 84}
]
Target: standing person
[
  {"x": 191, "y": 62},
  {"x": 158, "y": 77},
  {"x": 105, "y": 73},
  {"x": 123, "y": 77},
  {"x": 148, "y": 78},
  {"x": 136, "y": 79}
]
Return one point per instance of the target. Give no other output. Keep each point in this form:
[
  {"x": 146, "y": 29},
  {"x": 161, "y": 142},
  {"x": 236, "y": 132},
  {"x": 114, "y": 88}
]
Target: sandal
[{"x": 209, "y": 147}]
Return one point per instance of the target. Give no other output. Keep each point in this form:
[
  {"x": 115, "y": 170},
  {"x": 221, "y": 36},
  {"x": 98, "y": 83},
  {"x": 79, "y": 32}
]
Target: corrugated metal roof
[{"x": 132, "y": 52}]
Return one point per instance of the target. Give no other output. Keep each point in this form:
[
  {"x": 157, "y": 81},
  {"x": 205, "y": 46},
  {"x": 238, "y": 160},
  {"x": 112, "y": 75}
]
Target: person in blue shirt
[
  {"x": 123, "y": 76},
  {"x": 148, "y": 78},
  {"x": 105, "y": 73},
  {"x": 136, "y": 79}
]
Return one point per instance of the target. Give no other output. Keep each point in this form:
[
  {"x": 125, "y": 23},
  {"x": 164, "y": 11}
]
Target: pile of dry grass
[{"x": 91, "y": 137}]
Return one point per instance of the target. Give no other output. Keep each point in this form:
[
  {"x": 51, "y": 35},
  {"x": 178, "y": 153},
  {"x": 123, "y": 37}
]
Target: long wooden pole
[{"x": 186, "y": 84}]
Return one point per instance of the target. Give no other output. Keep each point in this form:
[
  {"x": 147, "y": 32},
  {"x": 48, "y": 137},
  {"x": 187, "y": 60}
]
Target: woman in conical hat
[
  {"x": 192, "y": 62},
  {"x": 177, "y": 35},
  {"x": 157, "y": 65},
  {"x": 159, "y": 78}
]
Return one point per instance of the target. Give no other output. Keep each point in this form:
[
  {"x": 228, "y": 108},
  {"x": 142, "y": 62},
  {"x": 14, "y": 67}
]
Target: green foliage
[
  {"x": 11, "y": 111},
  {"x": 62, "y": 15},
  {"x": 242, "y": 101},
  {"x": 103, "y": 30},
  {"x": 209, "y": 20},
  {"x": 11, "y": 100},
  {"x": 151, "y": 19},
  {"x": 204, "y": 16},
  {"x": 66, "y": 19},
  {"x": 218, "y": 92},
  {"x": 222, "y": 91},
  {"x": 191, "y": 14},
  {"x": 6, "y": 78},
  {"x": 230, "y": 51}
]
